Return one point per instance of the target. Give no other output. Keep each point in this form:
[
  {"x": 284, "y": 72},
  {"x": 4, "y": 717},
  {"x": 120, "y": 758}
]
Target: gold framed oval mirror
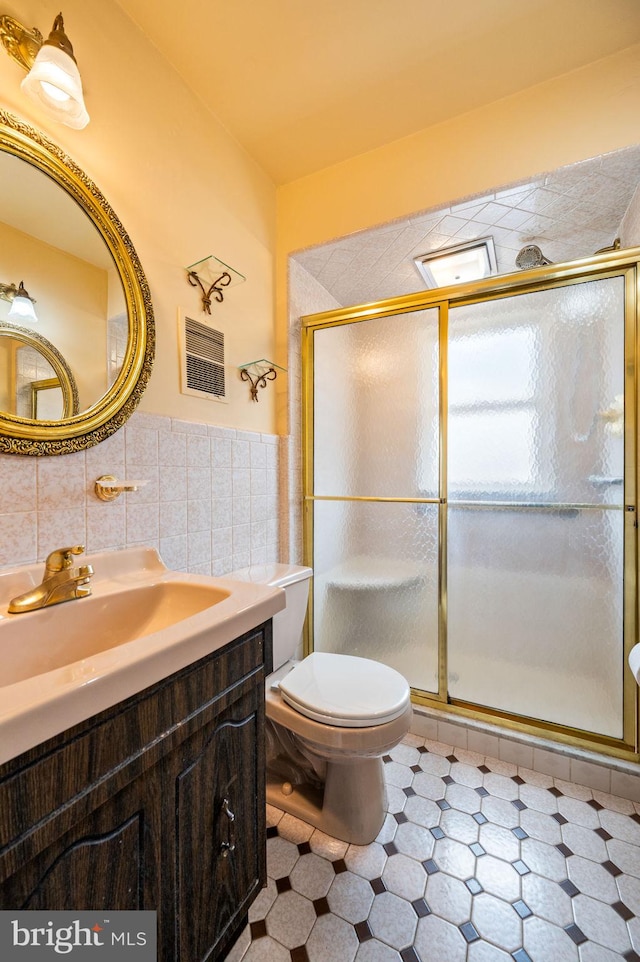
[
  {"x": 59, "y": 236},
  {"x": 29, "y": 366}
]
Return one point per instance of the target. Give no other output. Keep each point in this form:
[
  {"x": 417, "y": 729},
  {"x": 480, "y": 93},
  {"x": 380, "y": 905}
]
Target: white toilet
[{"x": 330, "y": 718}]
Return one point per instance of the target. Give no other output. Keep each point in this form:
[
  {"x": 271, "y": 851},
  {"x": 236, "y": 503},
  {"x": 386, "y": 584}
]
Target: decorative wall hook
[
  {"x": 264, "y": 371},
  {"x": 212, "y": 276}
]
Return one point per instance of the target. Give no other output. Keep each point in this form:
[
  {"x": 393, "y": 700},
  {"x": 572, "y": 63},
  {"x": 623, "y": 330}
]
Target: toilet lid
[{"x": 345, "y": 691}]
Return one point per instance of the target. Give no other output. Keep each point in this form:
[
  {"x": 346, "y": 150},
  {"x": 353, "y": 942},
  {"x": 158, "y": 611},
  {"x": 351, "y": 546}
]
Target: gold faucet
[{"x": 61, "y": 582}]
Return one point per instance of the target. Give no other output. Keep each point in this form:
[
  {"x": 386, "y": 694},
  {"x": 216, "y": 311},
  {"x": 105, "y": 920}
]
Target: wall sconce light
[
  {"x": 53, "y": 79},
  {"x": 212, "y": 276},
  {"x": 264, "y": 371},
  {"x": 22, "y": 308},
  {"x": 458, "y": 264}
]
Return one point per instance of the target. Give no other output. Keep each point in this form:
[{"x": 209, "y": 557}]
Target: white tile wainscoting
[{"x": 211, "y": 504}]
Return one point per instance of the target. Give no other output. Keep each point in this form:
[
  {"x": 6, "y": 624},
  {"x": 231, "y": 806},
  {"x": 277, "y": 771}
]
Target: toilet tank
[{"x": 287, "y": 624}]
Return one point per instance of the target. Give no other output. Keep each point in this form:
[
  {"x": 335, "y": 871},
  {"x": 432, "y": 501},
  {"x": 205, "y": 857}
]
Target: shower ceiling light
[{"x": 470, "y": 261}]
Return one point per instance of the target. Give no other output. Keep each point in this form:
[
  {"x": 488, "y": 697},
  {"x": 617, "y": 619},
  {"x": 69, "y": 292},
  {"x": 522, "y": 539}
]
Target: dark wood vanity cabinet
[{"x": 157, "y": 803}]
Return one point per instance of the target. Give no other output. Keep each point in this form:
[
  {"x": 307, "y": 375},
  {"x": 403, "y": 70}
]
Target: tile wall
[{"x": 210, "y": 505}]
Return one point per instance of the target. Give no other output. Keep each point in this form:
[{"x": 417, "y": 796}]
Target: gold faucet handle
[{"x": 62, "y": 558}]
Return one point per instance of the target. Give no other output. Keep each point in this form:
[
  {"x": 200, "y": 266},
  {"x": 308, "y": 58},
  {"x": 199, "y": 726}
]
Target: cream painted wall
[
  {"x": 579, "y": 115},
  {"x": 182, "y": 187},
  {"x": 71, "y": 298}
]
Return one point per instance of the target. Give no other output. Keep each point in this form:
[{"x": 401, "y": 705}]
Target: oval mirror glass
[{"x": 94, "y": 332}]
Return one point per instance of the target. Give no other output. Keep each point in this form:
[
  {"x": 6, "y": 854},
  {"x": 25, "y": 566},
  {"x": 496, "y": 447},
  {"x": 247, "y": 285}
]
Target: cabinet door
[
  {"x": 220, "y": 813},
  {"x": 107, "y": 861}
]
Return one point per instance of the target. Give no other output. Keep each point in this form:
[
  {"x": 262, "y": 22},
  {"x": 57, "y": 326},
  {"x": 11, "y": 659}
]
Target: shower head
[{"x": 531, "y": 256}]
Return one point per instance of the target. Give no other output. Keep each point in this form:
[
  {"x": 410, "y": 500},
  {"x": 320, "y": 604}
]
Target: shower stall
[{"x": 470, "y": 494}]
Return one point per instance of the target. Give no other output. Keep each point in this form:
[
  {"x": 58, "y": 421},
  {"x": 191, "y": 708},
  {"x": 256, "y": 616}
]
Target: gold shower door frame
[{"x": 621, "y": 263}]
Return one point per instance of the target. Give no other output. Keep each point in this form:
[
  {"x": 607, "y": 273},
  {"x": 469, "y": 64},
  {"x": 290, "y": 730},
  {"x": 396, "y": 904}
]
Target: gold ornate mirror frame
[
  {"x": 82, "y": 430},
  {"x": 63, "y": 376}
]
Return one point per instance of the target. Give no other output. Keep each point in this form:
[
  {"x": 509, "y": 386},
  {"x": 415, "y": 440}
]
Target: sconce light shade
[
  {"x": 22, "y": 308},
  {"x": 54, "y": 80}
]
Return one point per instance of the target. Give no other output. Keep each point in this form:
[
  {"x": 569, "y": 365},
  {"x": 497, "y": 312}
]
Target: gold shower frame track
[{"x": 625, "y": 263}]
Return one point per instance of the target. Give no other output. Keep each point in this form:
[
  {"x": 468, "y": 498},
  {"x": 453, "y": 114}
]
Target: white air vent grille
[{"x": 202, "y": 360}]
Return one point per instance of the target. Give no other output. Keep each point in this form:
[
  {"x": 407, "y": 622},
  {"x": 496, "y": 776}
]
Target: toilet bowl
[{"x": 330, "y": 719}]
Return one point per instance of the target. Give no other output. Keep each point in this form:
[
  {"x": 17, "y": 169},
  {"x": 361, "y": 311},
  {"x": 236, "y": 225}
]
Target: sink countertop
[{"x": 45, "y": 703}]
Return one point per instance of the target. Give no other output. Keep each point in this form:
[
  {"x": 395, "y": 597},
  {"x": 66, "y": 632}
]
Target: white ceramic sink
[{"x": 60, "y": 665}]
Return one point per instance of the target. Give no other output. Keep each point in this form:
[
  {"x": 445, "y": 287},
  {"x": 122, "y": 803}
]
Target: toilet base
[{"x": 351, "y": 806}]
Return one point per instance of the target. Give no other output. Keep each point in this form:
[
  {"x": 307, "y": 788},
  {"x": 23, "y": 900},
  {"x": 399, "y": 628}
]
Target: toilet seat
[{"x": 345, "y": 691}]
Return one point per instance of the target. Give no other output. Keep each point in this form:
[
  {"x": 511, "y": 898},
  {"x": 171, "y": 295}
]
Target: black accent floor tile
[
  {"x": 304, "y": 848},
  {"x": 555, "y": 791},
  {"x": 474, "y": 886},
  {"x": 258, "y": 929},
  {"x": 321, "y": 906},
  {"x": 415, "y": 769},
  {"x": 363, "y": 931},
  {"x": 520, "y": 805},
  {"x": 299, "y": 954},
  {"x": 575, "y": 933},
  {"x": 603, "y": 833},
  {"x": 430, "y": 866},
  {"x": 595, "y": 805},
  {"x": 469, "y": 931},
  {"x": 452, "y": 759},
  {"x": 564, "y": 850},
  {"x": 519, "y": 833},
  {"x": 421, "y": 908},
  {"x": 272, "y": 831},
  {"x": 400, "y": 818},
  {"x": 521, "y": 867},
  {"x": 386, "y": 759},
  {"x": 443, "y": 804},
  {"x": 448, "y": 780},
  {"x": 390, "y": 848},
  {"x": 378, "y": 886},
  {"x": 484, "y": 769},
  {"x": 568, "y": 887},
  {"x": 631, "y": 956},
  {"x": 480, "y": 818},
  {"x": 423, "y": 750},
  {"x": 560, "y": 819},
  {"x": 623, "y": 910},
  {"x": 437, "y": 832},
  {"x": 339, "y": 866},
  {"x": 521, "y": 956},
  {"x": 283, "y": 884},
  {"x": 482, "y": 791},
  {"x": 517, "y": 779},
  {"x": 522, "y": 909},
  {"x": 409, "y": 791},
  {"x": 635, "y": 817},
  {"x": 477, "y": 849},
  {"x": 612, "y": 868},
  {"x": 409, "y": 955}
]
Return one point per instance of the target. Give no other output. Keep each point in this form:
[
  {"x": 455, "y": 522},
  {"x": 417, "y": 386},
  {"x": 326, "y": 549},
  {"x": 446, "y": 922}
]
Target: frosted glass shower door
[
  {"x": 375, "y": 491},
  {"x": 536, "y": 505}
]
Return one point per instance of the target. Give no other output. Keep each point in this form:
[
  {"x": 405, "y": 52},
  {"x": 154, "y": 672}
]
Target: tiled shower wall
[{"x": 210, "y": 504}]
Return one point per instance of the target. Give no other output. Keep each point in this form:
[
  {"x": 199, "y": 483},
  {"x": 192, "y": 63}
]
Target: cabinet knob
[{"x": 226, "y": 848}]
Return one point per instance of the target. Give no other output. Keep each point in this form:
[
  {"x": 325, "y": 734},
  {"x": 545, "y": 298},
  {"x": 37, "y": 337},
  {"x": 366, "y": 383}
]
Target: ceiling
[
  {"x": 569, "y": 213},
  {"x": 304, "y": 85}
]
